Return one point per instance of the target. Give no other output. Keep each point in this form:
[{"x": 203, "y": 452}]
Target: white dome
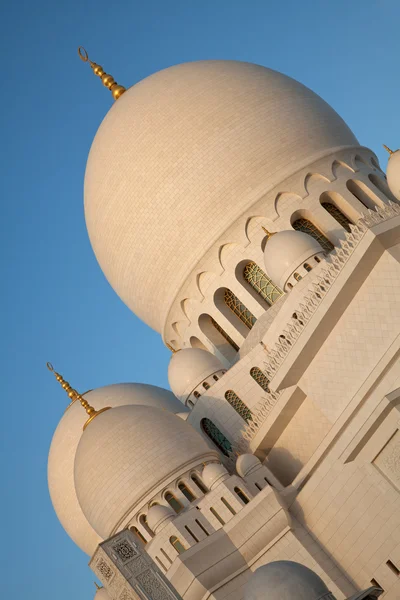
[
  {"x": 393, "y": 173},
  {"x": 246, "y": 464},
  {"x": 188, "y": 368},
  {"x": 285, "y": 580},
  {"x": 101, "y": 594},
  {"x": 128, "y": 453},
  {"x": 181, "y": 156},
  {"x": 286, "y": 251},
  {"x": 60, "y": 470},
  {"x": 213, "y": 474},
  {"x": 159, "y": 516}
]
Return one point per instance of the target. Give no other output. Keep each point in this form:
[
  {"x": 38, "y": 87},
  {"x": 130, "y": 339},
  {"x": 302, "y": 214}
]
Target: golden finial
[
  {"x": 170, "y": 348},
  {"x": 74, "y": 395},
  {"x": 269, "y": 233},
  {"x": 388, "y": 149},
  {"x": 98, "y": 587},
  {"x": 108, "y": 80}
]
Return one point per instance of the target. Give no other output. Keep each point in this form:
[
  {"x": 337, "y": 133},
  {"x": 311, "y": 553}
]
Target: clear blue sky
[{"x": 55, "y": 303}]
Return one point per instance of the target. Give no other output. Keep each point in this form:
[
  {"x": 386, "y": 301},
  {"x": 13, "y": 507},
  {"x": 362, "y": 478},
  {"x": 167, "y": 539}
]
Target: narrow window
[
  {"x": 177, "y": 544},
  {"x": 393, "y": 567},
  {"x": 160, "y": 563},
  {"x": 307, "y": 227},
  {"x": 241, "y": 495},
  {"x": 186, "y": 492},
  {"x": 376, "y": 584},
  {"x": 258, "y": 487},
  {"x": 260, "y": 378},
  {"x": 307, "y": 267},
  {"x": 337, "y": 214},
  {"x": 199, "y": 483},
  {"x": 224, "y": 334},
  {"x": 216, "y": 436},
  {"x": 297, "y": 277},
  {"x": 361, "y": 192},
  {"x": 206, "y": 385},
  {"x": 215, "y": 377},
  {"x": 191, "y": 533},
  {"x": 190, "y": 403},
  {"x": 261, "y": 283},
  {"x": 173, "y": 502},
  {"x": 317, "y": 259},
  {"x": 201, "y": 527},
  {"x": 143, "y": 522},
  {"x": 228, "y": 506},
  {"x": 166, "y": 556},
  {"x": 239, "y": 309},
  {"x": 238, "y": 405},
  {"x": 217, "y": 516},
  {"x": 290, "y": 286},
  {"x": 136, "y": 531},
  {"x": 196, "y": 394}
]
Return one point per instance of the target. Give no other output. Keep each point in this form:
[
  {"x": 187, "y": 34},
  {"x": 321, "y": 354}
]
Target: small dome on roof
[
  {"x": 246, "y": 464},
  {"x": 393, "y": 173},
  {"x": 127, "y": 453},
  {"x": 159, "y": 516},
  {"x": 213, "y": 474},
  {"x": 287, "y": 580},
  {"x": 286, "y": 251},
  {"x": 188, "y": 368},
  {"x": 101, "y": 594}
]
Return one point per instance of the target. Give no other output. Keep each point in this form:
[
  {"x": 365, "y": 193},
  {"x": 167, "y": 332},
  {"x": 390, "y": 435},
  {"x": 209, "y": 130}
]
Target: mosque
[{"x": 234, "y": 211}]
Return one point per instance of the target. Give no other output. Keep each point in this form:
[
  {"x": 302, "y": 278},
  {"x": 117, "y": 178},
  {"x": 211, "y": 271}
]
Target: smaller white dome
[
  {"x": 159, "y": 516},
  {"x": 213, "y": 474},
  {"x": 287, "y": 580},
  {"x": 393, "y": 173},
  {"x": 286, "y": 251},
  {"x": 246, "y": 464},
  {"x": 188, "y": 368},
  {"x": 101, "y": 594}
]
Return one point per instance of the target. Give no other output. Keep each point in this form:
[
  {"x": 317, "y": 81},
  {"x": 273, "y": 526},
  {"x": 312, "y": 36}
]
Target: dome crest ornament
[{"x": 109, "y": 81}]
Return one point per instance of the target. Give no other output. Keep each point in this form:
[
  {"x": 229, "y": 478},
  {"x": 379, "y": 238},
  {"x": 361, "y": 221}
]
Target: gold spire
[
  {"x": 74, "y": 395},
  {"x": 269, "y": 233},
  {"x": 108, "y": 80},
  {"x": 388, "y": 149},
  {"x": 171, "y": 348},
  {"x": 98, "y": 587}
]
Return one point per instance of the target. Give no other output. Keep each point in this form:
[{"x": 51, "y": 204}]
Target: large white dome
[
  {"x": 393, "y": 173},
  {"x": 127, "y": 453},
  {"x": 65, "y": 441},
  {"x": 180, "y": 156},
  {"x": 188, "y": 368}
]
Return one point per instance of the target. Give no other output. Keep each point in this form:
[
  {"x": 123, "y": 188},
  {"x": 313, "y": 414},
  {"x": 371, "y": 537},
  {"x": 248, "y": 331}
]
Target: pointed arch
[
  {"x": 314, "y": 179},
  {"x": 239, "y": 405},
  {"x": 216, "y": 436}
]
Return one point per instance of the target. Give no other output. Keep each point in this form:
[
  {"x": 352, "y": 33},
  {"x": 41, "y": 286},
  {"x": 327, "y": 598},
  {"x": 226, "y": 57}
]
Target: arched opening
[
  {"x": 196, "y": 395},
  {"x": 190, "y": 403},
  {"x": 238, "y": 405},
  {"x": 199, "y": 483},
  {"x": 217, "y": 516},
  {"x": 196, "y": 343},
  {"x": 216, "y": 436},
  {"x": 173, "y": 502},
  {"x": 143, "y": 523},
  {"x": 307, "y": 267},
  {"x": 307, "y": 227},
  {"x": 218, "y": 337},
  {"x": 215, "y": 377},
  {"x": 363, "y": 193},
  {"x": 206, "y": 385},
  {"x": 186, "y": 492},
  {"x": 241, "y": 495},
  {"x": 382, "y": 186},
  {"x": 297, "y": 276},
  {"x": 261, "y": 283},
  {"x": 260, "y": 378},
  {"x": 137, "y": 533},
  {"x": 228, "y": 506},
  {"x": 237, "y": 307},
  {"x": 177, "y": 544},
  {"x": 335, "y": 212}
]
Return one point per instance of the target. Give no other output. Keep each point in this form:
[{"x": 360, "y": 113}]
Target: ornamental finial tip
[
  {"x": 388, "y": 149},
  {"x": 268, "y": 233},
  {"x": 109, "y": 81}
]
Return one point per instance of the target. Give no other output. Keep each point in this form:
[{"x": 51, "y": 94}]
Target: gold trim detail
[
  {"x": 108, "y": 81},
  {"x": 98, "y": 587},
  {"x": 388, "y": 149},
  {"x": 74, "y": 395},
  {"x": 268, "y": 233}
]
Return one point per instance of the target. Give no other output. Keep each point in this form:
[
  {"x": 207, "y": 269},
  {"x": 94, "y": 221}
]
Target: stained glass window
[
  {"x": 237, "y": 307},
  {"x": 224, "y": 334},
  {"x": 238, "y": 405},
  {"x": 216, "y": 436},
  {"x": 261, "y": 283},
  {"x": 260, "y": 378},
  {"x": 309, "y": 228},
  {"x": 337, "y": 214}
]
